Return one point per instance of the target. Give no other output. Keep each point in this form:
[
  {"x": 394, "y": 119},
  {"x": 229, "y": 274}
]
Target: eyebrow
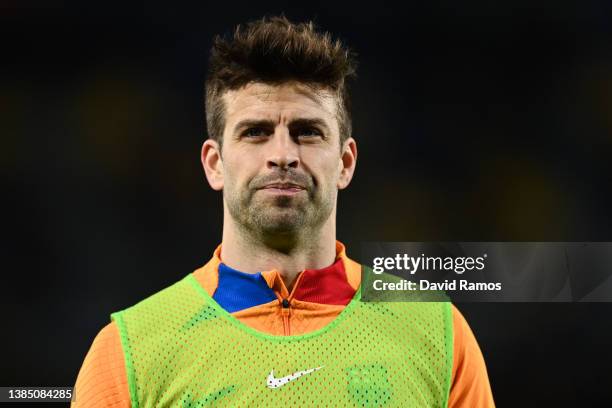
[{"x": 270, "y": 124}]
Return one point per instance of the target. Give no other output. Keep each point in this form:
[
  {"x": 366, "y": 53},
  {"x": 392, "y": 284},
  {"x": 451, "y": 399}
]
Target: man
[{"x": 275, "y": 317}]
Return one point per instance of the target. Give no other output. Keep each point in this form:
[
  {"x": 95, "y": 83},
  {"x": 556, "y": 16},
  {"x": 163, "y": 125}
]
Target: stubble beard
[{"x": 282, "y": 221}]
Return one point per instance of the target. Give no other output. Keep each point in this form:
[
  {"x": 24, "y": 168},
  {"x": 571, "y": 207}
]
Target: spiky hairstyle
[{"x": 273, "y": 50}]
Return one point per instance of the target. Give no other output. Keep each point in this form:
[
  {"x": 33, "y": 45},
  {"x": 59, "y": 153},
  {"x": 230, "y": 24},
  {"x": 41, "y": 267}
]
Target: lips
[{"x": 283, "y": 186}]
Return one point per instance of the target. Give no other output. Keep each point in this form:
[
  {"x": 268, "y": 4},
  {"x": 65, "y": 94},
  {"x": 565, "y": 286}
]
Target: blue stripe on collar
[{"x": 239, "y": 290}]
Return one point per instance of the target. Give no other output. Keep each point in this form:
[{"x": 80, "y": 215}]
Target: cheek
[
  {"x": 328, "y": 169},
  {"x": 236, "y": 166},
  {"x": 242, "y": 176}
]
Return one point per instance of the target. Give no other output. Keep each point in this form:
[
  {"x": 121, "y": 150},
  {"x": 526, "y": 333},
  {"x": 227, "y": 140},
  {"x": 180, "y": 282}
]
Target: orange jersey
[{"x": 263, "y": 302}]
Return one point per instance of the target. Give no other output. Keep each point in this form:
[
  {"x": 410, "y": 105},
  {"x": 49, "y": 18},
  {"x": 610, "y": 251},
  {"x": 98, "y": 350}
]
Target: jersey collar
[{"x": 235, "y": 290}]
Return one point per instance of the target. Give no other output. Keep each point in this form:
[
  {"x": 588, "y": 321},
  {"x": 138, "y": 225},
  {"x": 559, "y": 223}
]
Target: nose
[{"x": 283, "y": 150}]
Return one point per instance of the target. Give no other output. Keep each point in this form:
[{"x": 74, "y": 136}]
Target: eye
[
  {"x": 308, "y": 132},
  {"x": 255, "y": 132}
]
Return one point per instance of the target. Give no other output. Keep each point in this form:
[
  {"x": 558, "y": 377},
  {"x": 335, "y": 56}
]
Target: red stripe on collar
[{"x": 327, "y": 285}]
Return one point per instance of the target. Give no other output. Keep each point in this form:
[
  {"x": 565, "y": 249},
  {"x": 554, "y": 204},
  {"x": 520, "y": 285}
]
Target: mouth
[{"x": 282, "y": 188}]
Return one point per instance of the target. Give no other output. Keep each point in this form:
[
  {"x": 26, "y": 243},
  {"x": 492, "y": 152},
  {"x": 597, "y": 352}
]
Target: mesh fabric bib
[{"x": 183, "y": 350}]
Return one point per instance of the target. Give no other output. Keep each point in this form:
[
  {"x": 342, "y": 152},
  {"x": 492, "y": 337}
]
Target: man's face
[{"x": 281, "y": 161}]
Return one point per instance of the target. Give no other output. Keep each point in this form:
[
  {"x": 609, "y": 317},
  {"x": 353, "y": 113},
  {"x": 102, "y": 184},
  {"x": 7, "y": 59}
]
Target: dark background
[{"x": 478, "y": 121}]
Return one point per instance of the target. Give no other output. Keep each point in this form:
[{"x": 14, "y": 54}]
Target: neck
[{"x": 241, "y": 251}]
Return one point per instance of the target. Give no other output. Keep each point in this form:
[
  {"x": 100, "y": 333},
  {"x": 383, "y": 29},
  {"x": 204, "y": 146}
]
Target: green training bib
[{"x": 183, "y": 350}]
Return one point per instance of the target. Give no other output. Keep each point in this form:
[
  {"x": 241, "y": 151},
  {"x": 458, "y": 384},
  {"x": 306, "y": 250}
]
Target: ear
[
  {"x": 212, "y": 163},
  {"x": 348, "y": 160}
]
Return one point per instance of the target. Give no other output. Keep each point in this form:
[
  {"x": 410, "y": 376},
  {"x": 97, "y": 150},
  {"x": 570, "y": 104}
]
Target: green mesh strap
[
  {"x": 183, "y": 350},
  {"x": 116, "y": 317},
  {"x": 449, "y": 335}
]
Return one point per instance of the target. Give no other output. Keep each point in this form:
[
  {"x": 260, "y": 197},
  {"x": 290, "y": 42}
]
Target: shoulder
[
  {"x": 470, "y": 382},
  {"x": 102, "y": 379},
  {"x": 181, "y": 298},
  {"x": 159, "y": 317},
  {"x": 165, "y": 295}
]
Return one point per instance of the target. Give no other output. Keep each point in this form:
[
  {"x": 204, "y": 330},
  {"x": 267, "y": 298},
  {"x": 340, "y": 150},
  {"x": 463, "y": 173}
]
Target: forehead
[{"x": 279, "y": 101}]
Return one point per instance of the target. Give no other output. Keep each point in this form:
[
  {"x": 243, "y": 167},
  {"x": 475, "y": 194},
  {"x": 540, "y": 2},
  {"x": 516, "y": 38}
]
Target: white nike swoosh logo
[{"x": 272, "y": 382}]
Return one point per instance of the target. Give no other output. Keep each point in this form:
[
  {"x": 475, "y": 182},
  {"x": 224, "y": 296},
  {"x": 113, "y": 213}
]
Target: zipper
[
  {"x": 286, "y": 307},
  {"x": 286, "y": 312}
]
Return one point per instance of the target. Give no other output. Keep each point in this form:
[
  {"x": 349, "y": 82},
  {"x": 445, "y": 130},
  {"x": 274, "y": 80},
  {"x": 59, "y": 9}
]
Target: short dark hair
[{"x": 273, "y": 50}]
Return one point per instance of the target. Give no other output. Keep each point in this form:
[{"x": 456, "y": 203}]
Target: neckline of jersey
[{"x": 348, "y": 309}]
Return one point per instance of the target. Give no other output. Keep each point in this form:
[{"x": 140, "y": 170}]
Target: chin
[
  {"x": 288, "y": 221},
  {"x": 283, "y": 226}
]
